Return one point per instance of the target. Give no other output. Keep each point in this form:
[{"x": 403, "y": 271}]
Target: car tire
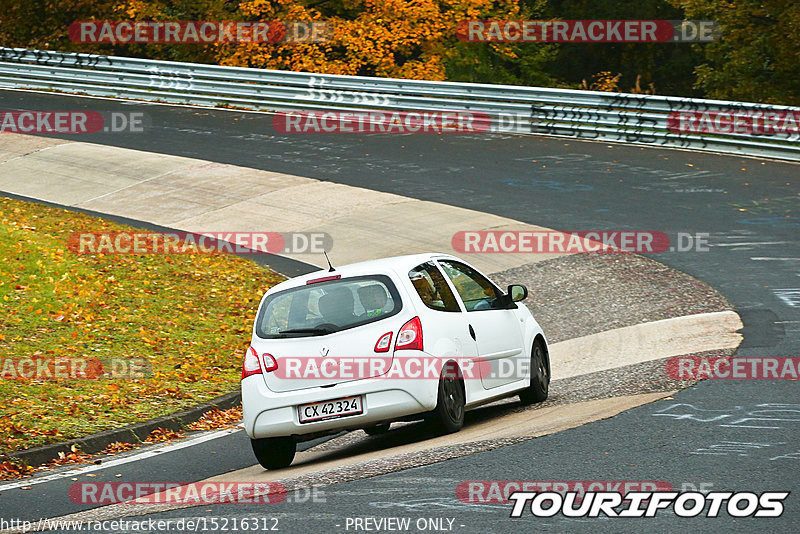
[
  {"x": 274, "y": 453},
  {"x": 451, "y": 400},
  {"x": 540, "y": 376},
  {"x": 377, "y": 430}
]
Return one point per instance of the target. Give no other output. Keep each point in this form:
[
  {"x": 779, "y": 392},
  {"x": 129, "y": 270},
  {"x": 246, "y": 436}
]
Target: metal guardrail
[{"x": 591, "y": 115}]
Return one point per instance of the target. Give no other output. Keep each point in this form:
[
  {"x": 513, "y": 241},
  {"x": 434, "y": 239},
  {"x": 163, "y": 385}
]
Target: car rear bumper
[{"x": 270, "y": 414}]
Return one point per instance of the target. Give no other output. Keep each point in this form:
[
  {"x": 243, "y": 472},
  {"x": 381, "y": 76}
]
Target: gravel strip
[{"x": 582, "y": 294}]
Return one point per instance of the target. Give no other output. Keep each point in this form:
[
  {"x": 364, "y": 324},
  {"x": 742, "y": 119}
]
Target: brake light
[
  {"x": 270, "y": 363},
  {"x": 250, "y": 365},
  {"x": 410, "y": 336},
  {"x": 324, "y": 279},
  {"x": 384, "y": 342}
]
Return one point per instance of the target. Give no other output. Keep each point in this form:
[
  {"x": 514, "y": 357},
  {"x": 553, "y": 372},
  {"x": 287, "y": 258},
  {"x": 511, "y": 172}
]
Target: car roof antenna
[{"x": 329, "y": 262}]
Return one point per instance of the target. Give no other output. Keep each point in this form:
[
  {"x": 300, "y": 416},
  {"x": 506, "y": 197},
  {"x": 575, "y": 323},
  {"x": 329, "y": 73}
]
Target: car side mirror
[{"x": 517, "y": 292}]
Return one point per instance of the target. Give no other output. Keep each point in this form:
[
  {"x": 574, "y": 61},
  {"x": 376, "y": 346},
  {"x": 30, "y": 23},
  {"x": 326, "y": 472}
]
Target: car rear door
[
  {"x": 444, "y": 323},
  {"x": 497, "y": 331}
]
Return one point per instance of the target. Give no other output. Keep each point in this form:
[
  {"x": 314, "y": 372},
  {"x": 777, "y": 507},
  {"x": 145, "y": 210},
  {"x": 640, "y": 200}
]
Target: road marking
[
  {"x": 120, "y": 461},
  {"x": 789, "y": 296},
  {"x": 749, "y": 243},
  {"x": 762, "y": 258}
]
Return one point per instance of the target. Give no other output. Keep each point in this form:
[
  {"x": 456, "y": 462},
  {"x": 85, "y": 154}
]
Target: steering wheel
[{"x": 482, "y": 305}]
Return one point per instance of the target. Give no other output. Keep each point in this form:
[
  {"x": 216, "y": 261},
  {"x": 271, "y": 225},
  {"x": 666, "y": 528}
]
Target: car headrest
[
  {"x": 372, "y": 297},
  {"x": 336, "y": 303}
]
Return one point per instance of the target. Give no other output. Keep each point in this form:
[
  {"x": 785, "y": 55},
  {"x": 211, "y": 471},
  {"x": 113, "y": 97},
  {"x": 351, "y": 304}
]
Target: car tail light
[
  {"x": 410, "y": 336},
  {"x": 250, "y": 365},
  {"x": 270, "y": 363},
  {"x": 384, "y": 343}
]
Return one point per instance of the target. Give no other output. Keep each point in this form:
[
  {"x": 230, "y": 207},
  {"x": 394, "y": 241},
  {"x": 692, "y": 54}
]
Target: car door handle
[{"x": 472, "y": 332}]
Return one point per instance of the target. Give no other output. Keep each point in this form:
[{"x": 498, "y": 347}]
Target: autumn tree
[
  {"x": 43, "y": 23},
  {"x": 396, "y": 38},
  {"x": 667, "y": 66},
  {"x": 522, "y": 63},
  {"x": 757, "y": 58}
]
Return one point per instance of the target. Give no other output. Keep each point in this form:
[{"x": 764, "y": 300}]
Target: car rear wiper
[{"x": 306, "y": 331}]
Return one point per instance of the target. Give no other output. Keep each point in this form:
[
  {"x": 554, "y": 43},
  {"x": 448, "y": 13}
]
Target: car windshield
[{"x": 326, "y": 307}]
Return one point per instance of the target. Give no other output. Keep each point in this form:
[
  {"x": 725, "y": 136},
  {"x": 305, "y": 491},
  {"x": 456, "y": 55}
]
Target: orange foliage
[
  {"x": 10, "y": 470},
  {"x": 216, "y": 419},
  {"x": 394, "y": 38}
]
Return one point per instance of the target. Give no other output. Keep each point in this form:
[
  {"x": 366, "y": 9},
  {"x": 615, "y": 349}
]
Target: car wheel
[
  {"x": 450, "y": 403},
  {"x": 540, "y": 376},
  {"x": 274, "y": 453},
  {"x": 377, "y": 430}
]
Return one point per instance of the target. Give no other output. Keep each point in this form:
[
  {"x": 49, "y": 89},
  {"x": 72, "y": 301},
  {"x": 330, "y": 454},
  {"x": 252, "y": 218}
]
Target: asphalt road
[
  {"x": 153, "y": 463},
  {"x": 638, "y": 445},
  {"x": 749, "y": 208}
]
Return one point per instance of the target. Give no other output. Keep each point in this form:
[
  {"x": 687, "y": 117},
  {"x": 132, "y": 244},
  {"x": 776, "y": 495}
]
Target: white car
[{"x": 362, "y": 345}]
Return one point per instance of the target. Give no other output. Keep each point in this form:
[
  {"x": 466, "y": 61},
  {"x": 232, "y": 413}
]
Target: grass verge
[{"x": 187, "y": 317}]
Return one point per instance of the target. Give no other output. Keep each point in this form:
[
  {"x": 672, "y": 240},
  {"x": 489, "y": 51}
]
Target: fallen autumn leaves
[{"x": 188, "y": 316}]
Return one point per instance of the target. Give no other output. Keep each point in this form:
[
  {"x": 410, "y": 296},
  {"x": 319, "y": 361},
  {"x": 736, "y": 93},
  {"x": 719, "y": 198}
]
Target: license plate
[{"x": 332, "y": 409}]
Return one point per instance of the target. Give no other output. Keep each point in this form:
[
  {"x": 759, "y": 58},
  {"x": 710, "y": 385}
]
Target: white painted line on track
[
  {"x": 120, "y": 461},
  {"x": 749, "y": 243}
]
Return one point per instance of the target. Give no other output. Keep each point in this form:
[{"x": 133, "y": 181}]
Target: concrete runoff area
[
  {"x": 200, "y": 196},
  {"x": 644, "y": 342}
]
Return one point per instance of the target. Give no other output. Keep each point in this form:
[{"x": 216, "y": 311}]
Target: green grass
[{"x": 188, "y": 316}]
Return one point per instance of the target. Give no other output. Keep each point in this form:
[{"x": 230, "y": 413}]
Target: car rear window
[{"x": 326, "y": 307}]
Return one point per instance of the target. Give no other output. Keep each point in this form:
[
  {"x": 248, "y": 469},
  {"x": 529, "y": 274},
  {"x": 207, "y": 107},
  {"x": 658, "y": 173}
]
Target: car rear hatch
[{"x": 327, "y": 332}]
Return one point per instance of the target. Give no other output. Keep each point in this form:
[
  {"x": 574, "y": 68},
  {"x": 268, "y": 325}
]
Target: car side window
[
  {"x": 432, "y": 288},
  {"x": 477, "y": 292}
]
